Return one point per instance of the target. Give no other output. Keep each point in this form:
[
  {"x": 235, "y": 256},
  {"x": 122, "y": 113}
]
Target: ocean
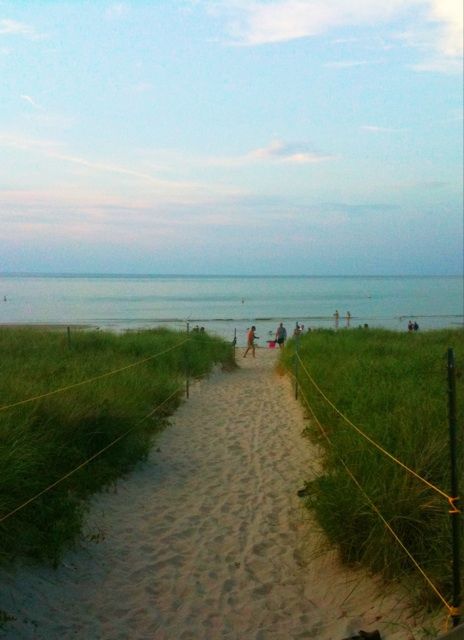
[{"x": 228, "y": 305}]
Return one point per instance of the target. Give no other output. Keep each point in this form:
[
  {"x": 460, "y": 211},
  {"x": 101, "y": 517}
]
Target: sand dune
[{"x": 208, "y": 539}]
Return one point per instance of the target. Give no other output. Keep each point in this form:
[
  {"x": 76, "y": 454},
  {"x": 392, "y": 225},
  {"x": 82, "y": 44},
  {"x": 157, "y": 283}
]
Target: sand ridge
[{"x": 208, "y": 539}]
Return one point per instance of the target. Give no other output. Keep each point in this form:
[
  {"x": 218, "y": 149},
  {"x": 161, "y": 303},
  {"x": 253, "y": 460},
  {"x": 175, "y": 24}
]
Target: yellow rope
[
  {"x": 408, "y": 553},
  {"x": 99, "y": 377},
  {"x": 86, "y": 462},
  {"x": 454, "y": 509},
  {"x": 453, "y": 611},
  {"x": 375, "y": 444}
]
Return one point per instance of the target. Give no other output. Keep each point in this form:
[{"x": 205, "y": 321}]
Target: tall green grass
[
  {"x": 394, "y": 387},
  {"x": 43, "y": 440}
]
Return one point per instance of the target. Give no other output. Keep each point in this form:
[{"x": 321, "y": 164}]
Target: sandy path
[{"x": 208, "y": 539}]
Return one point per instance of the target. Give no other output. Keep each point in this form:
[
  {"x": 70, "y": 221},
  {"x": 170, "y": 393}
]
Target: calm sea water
[{"x": 224, "y": 305}]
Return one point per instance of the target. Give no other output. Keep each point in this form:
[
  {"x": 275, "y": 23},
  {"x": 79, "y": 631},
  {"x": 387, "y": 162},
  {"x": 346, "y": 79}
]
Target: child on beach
[{"x": 251, "y": 337}]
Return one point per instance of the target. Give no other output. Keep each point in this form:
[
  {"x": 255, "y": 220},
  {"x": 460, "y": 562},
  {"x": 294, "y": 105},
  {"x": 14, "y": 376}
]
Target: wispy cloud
[
  {"x": 90, "y": 215},
  {"x": 171, "y": 190},
  {"x": 292, "y": 153},
  {"x": 438, "y": 65},
  {"x": 376, "y": 129},
  {"x": 31, "y": 101},
  {"x": 43, "y": 118},
  {"x": 439, "y": 36},
  {"x": 15, "y": 28},
  {"x": 25, "y": 143},
  {"x": 277, "y": 151},
  {"x": 449, "y": 14},
  {"x": 346, "y": 64},
  {"x": 370, "y": 42},
  {"x": 259, "y": 22}
]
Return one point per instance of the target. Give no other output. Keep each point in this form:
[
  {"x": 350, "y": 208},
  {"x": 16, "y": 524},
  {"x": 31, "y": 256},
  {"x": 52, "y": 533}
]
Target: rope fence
[
  {"x": 86, "y": 462},
  {"x": 442, "y": 493},
  {"x": 93, "y": 379},
  {"x": 116, "y": 440},
  {"x": 452, "y": 609}
]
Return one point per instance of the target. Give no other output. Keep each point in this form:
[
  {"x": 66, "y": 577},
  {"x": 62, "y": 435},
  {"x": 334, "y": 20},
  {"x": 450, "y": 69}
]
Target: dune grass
[
  {"x": 43, "y": 440},
  {"x": 394, "y": 387}
]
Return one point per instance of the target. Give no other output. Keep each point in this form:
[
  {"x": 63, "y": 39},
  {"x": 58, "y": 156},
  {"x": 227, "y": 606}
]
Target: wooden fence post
[{"x": 455, "y": 512}]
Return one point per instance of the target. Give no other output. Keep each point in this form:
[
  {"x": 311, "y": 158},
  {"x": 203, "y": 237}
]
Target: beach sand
[{"x": 208, "y": 539}]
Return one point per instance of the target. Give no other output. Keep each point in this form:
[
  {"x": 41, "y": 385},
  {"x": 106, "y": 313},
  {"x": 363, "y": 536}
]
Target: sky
[{"x": 261, "y": 137}]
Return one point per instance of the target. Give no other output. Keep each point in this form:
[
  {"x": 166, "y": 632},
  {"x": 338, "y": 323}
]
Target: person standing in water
[{"x": 251, "y": 337}]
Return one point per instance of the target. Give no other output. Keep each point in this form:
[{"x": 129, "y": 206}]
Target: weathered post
[
  {"x": 455, "y": 512},
  {"x": 187, "y": 372},
  {"x": 296, "y": 356}
]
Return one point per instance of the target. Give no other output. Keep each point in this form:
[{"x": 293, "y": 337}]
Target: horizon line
[{"x": 116, "y": 274}]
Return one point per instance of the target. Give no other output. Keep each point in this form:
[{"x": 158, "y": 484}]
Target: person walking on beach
[
  {"x": 348, "y": 319},
  {"x": 336, "y": 317},
  {"x": 281, "y": 335},
  {"x": 251, "y": 337}
]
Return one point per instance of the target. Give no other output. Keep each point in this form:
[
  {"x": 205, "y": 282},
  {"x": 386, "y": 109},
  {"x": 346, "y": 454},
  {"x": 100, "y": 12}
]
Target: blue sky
[{"x": 231, "y": 137}]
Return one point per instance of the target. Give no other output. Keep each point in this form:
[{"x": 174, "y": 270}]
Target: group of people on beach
[
  {"x": 300, "y": 328},
  {"x": 336, "y": 316},
  {"x": 280, "y": 338},
  {"x": 281, "y": 333},
  {"x": 198, "y": 329}
]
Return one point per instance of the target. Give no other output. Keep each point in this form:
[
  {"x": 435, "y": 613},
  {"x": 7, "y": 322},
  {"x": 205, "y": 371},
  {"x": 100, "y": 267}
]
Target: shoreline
[
  {"x": 225, "y": 329},
  {"x": 45, "y": 325}
]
